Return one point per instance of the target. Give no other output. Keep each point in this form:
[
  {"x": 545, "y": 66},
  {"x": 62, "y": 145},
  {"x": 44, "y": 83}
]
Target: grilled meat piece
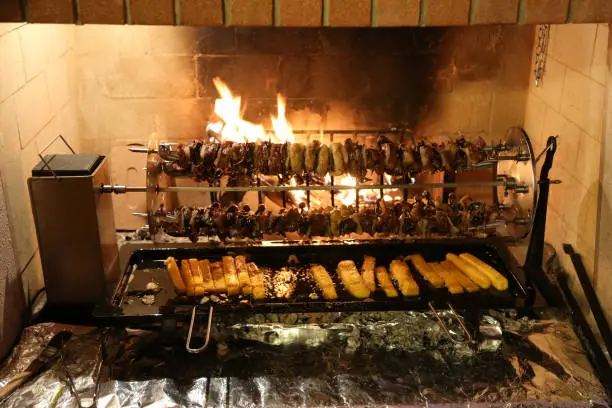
[
  {"x": 339, "y": 159},
  {"x": 277, "y": 159},
  {"x": 356, "y": 162},
  {"x": 323, "y": 160},
  {"x": 297, "y": 151},
  {"x": 310, "y": 159},
  {"x": 430, "y": 158},
  {"x": 390, "y": 155},
  {"x": 263, "y": 150},
  {"x": 374, "y": 160}
]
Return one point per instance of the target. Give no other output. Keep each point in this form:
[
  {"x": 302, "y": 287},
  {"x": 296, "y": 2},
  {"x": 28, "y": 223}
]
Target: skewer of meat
[
  {"x": 417, "y": 216},
  {"x": 211, "y": 160}
]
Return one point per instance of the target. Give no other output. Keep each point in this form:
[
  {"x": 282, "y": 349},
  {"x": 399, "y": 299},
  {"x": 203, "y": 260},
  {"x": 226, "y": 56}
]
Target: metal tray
[{"x": 147, "y": 265}]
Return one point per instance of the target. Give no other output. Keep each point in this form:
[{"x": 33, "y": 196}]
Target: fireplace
[{"x": 470, "y": 70}]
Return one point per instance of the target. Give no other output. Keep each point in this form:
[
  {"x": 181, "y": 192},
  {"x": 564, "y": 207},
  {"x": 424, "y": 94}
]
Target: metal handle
[
  {"x": 40, "y": 153},
  {"x": 208, "y": 325},
  {"x": 445, "y": 328}
]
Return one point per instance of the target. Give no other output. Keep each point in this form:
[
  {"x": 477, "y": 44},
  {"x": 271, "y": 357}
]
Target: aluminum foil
[{"x": 358, "y": 359}]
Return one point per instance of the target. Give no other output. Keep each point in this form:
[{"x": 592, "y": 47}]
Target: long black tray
[{"x": 147, "y": 265}]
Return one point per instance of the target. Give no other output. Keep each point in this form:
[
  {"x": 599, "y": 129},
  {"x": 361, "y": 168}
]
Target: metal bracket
[
  {"x": 40, "y": 153},
  {"x": 445, "y": 328},
  {"x": 207, "y": 338}
]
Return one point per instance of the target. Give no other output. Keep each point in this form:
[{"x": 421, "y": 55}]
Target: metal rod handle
[
  {"x": 118, "y": 189},
  {"x": 207, "y": 338},
  {"x": 445, "y": 328}
]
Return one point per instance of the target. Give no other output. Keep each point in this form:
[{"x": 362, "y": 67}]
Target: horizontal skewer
[{"x": 118, "y": 189}]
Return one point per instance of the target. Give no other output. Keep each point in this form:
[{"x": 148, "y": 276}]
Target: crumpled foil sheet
[{"x": 311, "y": 360}]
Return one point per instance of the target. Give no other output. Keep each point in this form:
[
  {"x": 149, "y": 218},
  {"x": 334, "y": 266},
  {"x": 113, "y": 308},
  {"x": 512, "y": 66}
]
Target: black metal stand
[{"x": 535, "y": 252}]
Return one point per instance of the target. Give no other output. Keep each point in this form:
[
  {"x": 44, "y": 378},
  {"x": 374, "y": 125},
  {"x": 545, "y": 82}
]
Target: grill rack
[{"x": 533, "y": 273}]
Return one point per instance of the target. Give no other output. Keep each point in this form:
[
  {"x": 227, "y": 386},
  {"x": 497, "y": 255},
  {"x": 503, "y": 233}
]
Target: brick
[
  {"x": 251, "y": 76},
  {"x": 102, "y": 11},
  {"x": 202, "y": 12},
  {"x": 397, "y": 13},
  {"x": 155, "y": 12},
  {"x": 251, "y": 12},
  {"x": 301, "y": 13},
  {"x": 266, "y": 40},
  {"x": 164, "y": 77},
  {"x": 494, "y": 12},
  {"x": 590, "y": 11},
  {"x": 11, "y": 11},
  {"x": 350, "y": 13},
  {"x": 50, "y": 11},
  {"x": 447, "y": 12},
  {"x": 543, "y": 11}
]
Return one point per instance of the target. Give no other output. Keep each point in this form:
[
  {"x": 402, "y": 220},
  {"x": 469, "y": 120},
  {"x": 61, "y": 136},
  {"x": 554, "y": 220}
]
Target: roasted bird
[{"x": 209, "y": 161}]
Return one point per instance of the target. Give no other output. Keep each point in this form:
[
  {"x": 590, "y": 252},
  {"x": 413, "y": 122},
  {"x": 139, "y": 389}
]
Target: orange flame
[
  {"x": 233, "y": 128},
  {"x": 299, "y": 196},
  {"x": 282, "y": 129}
]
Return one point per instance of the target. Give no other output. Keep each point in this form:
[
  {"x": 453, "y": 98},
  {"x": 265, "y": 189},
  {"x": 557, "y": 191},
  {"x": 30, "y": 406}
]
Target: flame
[
  {"x": 347, "y": 197},
  {"x": 299, "y": 196},
  {"x": 233, "y": 128},
  {"x": 282, "y": 129}
]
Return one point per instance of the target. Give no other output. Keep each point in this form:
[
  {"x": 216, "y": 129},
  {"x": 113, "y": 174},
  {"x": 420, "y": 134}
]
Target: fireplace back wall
[{"x": 136, "y": 80}]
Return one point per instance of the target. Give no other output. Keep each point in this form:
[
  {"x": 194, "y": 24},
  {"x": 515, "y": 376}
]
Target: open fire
[{"x": 231, "y": 126}]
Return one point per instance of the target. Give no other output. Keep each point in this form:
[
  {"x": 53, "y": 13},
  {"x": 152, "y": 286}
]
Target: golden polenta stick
[
  {"x": 216, "y": 271},
  {"x": 207, "y": 280},
  {"x": 231, "y": 278},
  {"x": 196, "y": 274},
  {"x": 450, "y": 282},
  {"x": 347, "y": 271},
  {"x": 324, "y": 281},
  {"x": 385, "y": 282},
  {"x": 187, "y": 277},
  {"x": 175, "y": 275},
  {"x": 426, "y": 271},
  {"x": 472, "y": 272},
  {"x": 257, "y": 281},
  {"x": 243, "y": 275},
  {"x": 367, "y": 272},
  {"x": 460, "y": 277},
  {"x": 498, "y": 280},
  {"x": 401, "y": 274}
]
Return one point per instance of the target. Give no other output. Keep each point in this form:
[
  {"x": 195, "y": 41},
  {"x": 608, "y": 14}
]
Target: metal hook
[
  {"x": 457, "y": 317},
  {"x": 548, "y": 147},
  {"x": 207, "y": 339}
]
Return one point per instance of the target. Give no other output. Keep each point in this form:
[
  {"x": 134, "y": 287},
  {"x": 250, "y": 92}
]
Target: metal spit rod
[{"x": 118, "y": 189}]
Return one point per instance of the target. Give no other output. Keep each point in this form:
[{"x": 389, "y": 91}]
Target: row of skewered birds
[
  {"x": 209, "y": 161},
  {"x": 420, "y": 216}
]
